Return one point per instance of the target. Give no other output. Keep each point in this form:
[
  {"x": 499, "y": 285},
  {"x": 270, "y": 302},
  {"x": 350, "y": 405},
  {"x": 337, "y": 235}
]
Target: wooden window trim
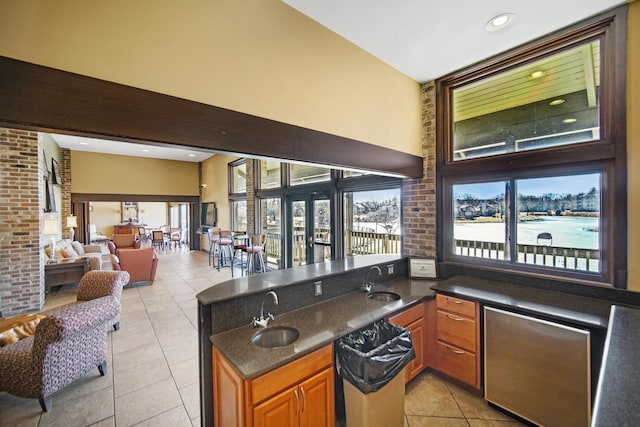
[{"x": 608, "y": 154}]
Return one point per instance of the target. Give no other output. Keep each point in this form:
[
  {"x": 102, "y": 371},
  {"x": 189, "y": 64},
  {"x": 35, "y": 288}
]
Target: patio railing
[
  {"x": 554, "y": 256},
  {"x": 358, "y": 243}
]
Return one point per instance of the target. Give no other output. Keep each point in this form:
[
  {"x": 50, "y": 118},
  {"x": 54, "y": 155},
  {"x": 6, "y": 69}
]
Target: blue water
[{"x": 572, "y": 232}]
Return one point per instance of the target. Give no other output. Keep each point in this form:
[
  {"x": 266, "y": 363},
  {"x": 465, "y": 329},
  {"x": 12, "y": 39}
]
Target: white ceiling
[
  {"x": 78, "y": 143},
  {"x": 424, "y": 39},
  {"x": 427, "y": 39}
]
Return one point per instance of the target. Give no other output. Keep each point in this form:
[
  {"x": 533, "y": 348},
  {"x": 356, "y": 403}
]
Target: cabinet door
[
  {"x": 279, "y": 411},
  {"x": 416, "y": 365},
  {"x": 317, "y": 400}
]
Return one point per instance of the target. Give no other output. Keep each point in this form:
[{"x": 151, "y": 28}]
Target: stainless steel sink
[
  {"x": 275, "y": 336},
  {"x": 383, "y": 296}
]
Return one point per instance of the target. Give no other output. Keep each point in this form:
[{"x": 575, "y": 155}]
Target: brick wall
[
  {"x": 65, "y": 190},
  {"x": 21, "y": 215},
  {"x": 251, "y": 196},
  {"x": 419, "y": 195}
]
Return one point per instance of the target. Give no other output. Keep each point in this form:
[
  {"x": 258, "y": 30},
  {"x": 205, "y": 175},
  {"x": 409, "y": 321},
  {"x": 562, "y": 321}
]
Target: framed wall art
[{"x": 55, "y": 172}]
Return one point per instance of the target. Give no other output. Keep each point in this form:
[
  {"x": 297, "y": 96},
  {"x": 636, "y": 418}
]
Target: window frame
[
  {"x": 231, "y": 175},
  {"x": 606, "y": 155}
]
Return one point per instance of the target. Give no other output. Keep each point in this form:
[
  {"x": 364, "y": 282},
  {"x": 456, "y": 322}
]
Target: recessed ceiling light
[
  {"x": 569, "y": 120},
  {"x": 500, "y": 21},
  {"x": 538, "y": 74},
  {"x": 192, "y": 155},
  {"x": 144, "y": 150},
  {"x": 557, "y": 102},
  {"x": 84, "y": 143}
]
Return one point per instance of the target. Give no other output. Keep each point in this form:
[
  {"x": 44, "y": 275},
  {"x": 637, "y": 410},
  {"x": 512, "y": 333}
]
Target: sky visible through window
[{"x": 536, "y": 187}]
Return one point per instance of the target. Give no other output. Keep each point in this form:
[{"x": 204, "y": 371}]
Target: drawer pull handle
[
  {"x": 454, "y": 350},
  {"x": 295, "y": 392},
  {"x": 457, "y": 319},
  {"x": 455, "y": 301},
  {"x": 304, "y": 399}
]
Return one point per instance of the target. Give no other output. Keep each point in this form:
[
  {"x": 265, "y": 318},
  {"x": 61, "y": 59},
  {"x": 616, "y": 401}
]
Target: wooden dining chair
[{"x": 158, "y": 239}]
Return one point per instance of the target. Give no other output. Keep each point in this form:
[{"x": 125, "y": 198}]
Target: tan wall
[
  {"x": 111, "y": 174},
  {"x": 214, "y": 174},
  {"x": 256, "y": 56},
  {"x": 633, "y": 145}
]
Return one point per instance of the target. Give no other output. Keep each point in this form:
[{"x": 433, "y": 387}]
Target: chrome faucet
[
  {"x": 367, "y": 286},
  {"x": 264, "y": 321}
]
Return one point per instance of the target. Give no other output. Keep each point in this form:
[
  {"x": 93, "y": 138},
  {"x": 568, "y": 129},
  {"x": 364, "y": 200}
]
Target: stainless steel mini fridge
[{"x": 537, "y": 369}]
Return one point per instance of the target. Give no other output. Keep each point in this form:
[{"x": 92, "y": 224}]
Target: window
[
  {"x": 269, "y": 174},
  {"x": 238, "y": 194},
  {"x": 551, "y": 229},
  {"x": 550, "y": 102},
  {"x": 239, "y": 215},
  {"x": 271, "y": 226},
  {"x": 307, "y": 174},
  {"x": 238, "y": 177},
  {"x": 372, "y": 222},
  {"x": 531, "y": 158}
]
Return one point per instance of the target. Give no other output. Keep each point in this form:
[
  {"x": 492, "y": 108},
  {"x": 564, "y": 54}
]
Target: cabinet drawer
[
  {"x": 408, "y": 316},
  {"x": 457, "y": 330},
  {"x": 457, "y": 363},
  {"x": 456, "y": 305},
  {"x": 294, "y": 372}
]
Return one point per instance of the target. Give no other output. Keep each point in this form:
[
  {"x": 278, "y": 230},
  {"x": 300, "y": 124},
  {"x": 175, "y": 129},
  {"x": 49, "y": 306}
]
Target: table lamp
[
  {"x": 51, "y": 229},
  {"x": 72, "y": 222}
]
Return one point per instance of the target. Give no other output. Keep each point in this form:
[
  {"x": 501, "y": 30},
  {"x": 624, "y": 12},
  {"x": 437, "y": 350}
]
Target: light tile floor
[{"x": 152, "y": 377}]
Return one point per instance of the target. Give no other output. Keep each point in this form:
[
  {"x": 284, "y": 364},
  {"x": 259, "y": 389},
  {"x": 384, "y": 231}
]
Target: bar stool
[
  {"x": 240, "y": 244},
  {"x": 254, "y": 254},
  {"x": 214, "y": 245},
  {"x": 225, "y": 254}
]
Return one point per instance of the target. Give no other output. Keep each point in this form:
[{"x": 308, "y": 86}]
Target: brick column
[
  {"x": 65, "y": 190},
  {"x": 419, "y": 195},
  {"x": 251, "y": 196},
  {"x": 21, "y": 214}
]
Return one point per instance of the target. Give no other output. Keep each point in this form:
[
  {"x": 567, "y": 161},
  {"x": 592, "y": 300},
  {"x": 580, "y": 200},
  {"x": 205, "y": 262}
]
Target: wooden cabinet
[
  {"x": 299, "y": 394},
  {"x": 304, "y": 405},
  {"x": 125, "y": 229},
  {"x": 413, "y": 319},
  {"x": 458, "y": 339}
]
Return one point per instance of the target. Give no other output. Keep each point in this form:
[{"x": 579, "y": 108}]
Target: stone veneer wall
[
  {"x": 21, "y": 215},
  {"x": 419, "y": 195}
]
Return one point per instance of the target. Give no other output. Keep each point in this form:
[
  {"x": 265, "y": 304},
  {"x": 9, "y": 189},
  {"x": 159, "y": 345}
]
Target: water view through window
[{"x": 557, "y": 221}]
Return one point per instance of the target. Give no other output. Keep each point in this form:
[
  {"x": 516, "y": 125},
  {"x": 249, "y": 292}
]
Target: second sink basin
[
  {"x": 275, "y": 336},
  {"x": 383, "y": 296}
]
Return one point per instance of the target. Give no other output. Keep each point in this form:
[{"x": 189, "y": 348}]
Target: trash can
[{"x": 371, "y": 363}]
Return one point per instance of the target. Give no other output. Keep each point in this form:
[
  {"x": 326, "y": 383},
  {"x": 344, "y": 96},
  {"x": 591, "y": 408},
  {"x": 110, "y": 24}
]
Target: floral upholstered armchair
[
  {"x": 68, "y": 342},
  {"x": 96, "y": 284}
]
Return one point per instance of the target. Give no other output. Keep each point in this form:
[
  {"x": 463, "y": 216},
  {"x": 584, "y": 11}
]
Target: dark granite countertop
[
  {"x": 259, "y": 283},
  {"x": 575, "y": 309},
  {"x": 617, "y": 402},
  {"x": 319, "y": 325}
]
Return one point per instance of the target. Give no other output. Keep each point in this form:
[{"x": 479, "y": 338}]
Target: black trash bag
[{"x": 374, "y": 355}]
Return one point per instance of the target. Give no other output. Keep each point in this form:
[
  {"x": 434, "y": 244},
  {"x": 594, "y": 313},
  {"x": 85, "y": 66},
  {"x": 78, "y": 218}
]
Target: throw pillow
[
  {"x": 69, "y": 252},
  {"x": 77, "y": 246},
  {"x": 19, "y": 327}
]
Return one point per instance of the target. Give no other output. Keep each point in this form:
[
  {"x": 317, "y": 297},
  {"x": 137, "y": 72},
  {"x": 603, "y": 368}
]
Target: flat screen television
[{"x": 209, "y": 214}]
